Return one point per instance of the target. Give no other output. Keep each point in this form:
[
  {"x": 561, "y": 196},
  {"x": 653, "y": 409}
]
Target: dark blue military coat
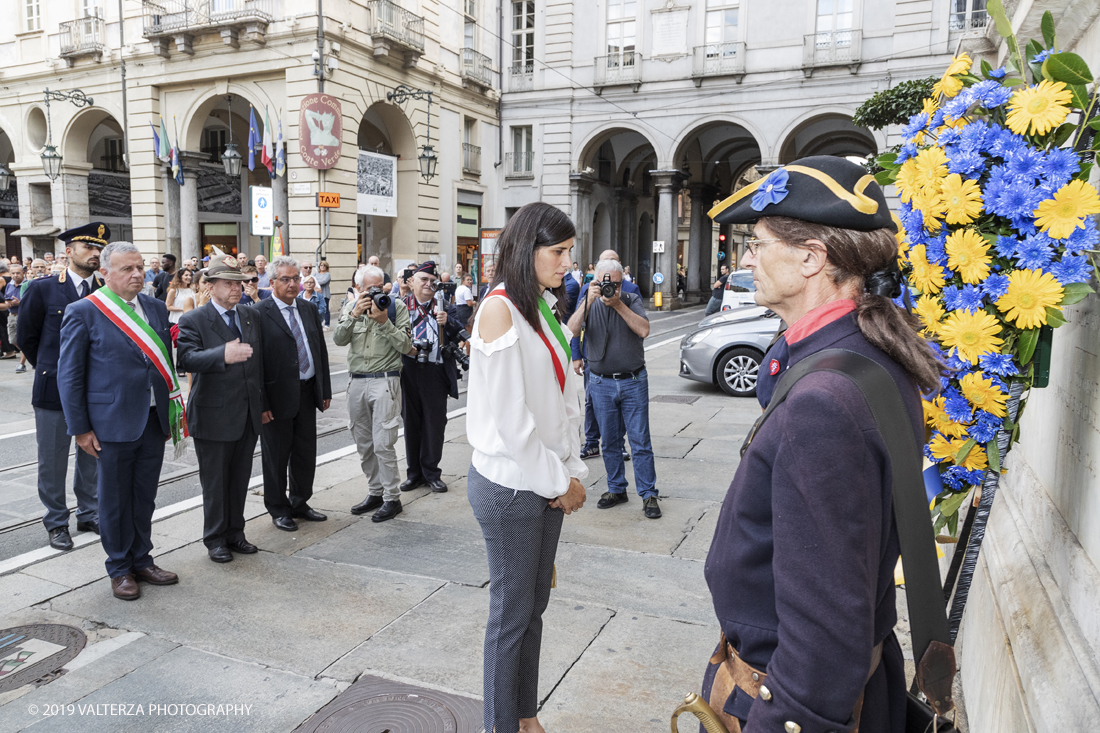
[
  {"x": 38, "y": 332},
  {"x": 801, "y": 568}
]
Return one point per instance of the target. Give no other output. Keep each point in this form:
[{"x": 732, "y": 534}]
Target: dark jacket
[
  {"x": 451, "y": 330},
  {"x": 576, "y": 345},
  {"x": 161, "y": 282},
  {"x": 102, "y": 373},
  {"x": 801, "y": 568},
  {"x": 280, "y": 357},
  {"x": 223, "y": 396},
  {"x": 38, "y": 332}
]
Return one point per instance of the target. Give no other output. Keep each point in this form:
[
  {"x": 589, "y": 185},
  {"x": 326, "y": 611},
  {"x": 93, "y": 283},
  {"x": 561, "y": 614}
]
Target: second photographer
[{"x": 429, "y": 376}]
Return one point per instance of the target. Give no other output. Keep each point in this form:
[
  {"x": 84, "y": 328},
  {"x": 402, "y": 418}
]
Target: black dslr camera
[
  {"x": 447, "y": 288},
  {"x": 608, "y": 288},
  {"x": 381, "y": 300},
  {"x": 423, "y": 350},
  {"x": 457, "y": 351}
]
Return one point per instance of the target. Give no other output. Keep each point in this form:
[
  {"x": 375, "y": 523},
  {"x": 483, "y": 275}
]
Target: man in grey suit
[{"x": 220, "y": 343}]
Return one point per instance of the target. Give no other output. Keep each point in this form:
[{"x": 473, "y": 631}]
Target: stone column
[
  {"x": 580, "y": 190},
  {"x": 282, "y": 205},
  {"x": 190, "y": 233},
  {"x": 171, "y": 212},
  {"x": 69, "y": 197},
  {"x": 667, "y": 183},
  {"x": 699, "y": 242}
]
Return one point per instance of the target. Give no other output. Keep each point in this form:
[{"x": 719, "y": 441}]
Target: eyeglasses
[
  {"x": 753, "y": 245},
  {"x": 254, "y": 280},
  {"x": 287, "y": 280}
]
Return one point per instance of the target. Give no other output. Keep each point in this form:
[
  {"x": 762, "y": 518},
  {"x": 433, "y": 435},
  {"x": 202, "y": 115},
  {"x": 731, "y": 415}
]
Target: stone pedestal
[{"x": 668, "y": 184}]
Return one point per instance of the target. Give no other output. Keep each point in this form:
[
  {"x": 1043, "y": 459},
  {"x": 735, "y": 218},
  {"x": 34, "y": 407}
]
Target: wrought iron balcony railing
[
  {"x": 477, "y": 68},
  {"x": 618, "y": 69},
  {"x": 182, "y": 19},
  {"x": 521, "y": 76},
  {"x": 396, "y": 30},
  {"x": 519, "y": 165},
  {"x": 973, "y": 20},
  {"x": 471, "y": 159},
  {"x": 82, "y": 37},
  {"x": 832, "y": 48},
  {"x": 718, "y": 59}
]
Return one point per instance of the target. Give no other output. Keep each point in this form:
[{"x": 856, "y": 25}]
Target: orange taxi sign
[{"x": 327, "y": 200}]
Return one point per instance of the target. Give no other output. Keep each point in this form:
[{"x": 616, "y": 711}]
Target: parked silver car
[{"x": 728, "y": 347}]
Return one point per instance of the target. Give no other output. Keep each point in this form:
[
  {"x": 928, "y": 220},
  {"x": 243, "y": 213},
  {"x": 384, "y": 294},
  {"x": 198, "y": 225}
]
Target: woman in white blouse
[{"x": 523, "y": 421}]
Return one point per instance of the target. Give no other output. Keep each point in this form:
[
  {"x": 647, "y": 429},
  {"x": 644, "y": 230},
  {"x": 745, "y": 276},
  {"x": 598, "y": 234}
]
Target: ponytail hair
[{"x": 869, "y": 261}]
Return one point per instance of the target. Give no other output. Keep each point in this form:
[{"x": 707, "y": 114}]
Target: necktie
[
  {"x": 83, "y": 289},
  {"x": 233, "y": 324},
  {"x": 131, "y": 304},
  {"x": 303, "y": 353}
]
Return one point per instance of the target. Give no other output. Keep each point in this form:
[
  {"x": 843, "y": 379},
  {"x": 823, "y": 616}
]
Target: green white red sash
[{"x": 120, "y": 314}]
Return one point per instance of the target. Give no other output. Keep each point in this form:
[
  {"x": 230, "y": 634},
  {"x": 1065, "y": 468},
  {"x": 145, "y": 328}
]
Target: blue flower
[
  {"x": 950, "y": 136},
  {"x": 1082, "y": 238},
  {"x": 982, "y": 432},
  {"x": 951, "y": 297},
  {"x": 1026, "y": 163},
  {"x": 1035, "y": 253},
  {"x": 936, "y": 250},
  {"x": 959, "y": 367},
  {"x": 990, "y": 93},
  {"x": 771, "y": 191},
  {"x": 1016, "y": 199},
  {"x": 958, "y": 106},
  {"x": 1006, "y": 246},
  {"x": 959, "y": 478},
  {"x": 1060, "y": 166},
  {"x": 1072, "y": 269},
  {"x": 999, "y": 364},
  {"x": 973, "y": 136},
  {"x": 966, "y": 164},
  {"x": 956, "y": 406},
  {"x": 998, "y": 73},
  {"x": 1003, "y": 142},
  {"x": 908, "y": 150},
  {"x": 996, "y": 285},
  {"x": 971, "y": 298},
  {"x": 917, "y": 123},
  {"x": 1041, "y": 56}
]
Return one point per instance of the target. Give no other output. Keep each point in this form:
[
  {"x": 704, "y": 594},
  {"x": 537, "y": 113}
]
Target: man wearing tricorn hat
[
  {"x": 39, "y": 336},
  {"x": 220, "y": 343},
  {"x": 801, "y": 568}
]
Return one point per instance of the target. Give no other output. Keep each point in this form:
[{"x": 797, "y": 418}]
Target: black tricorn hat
[
  {"x": 95, "y": 233},
  {"x": 823, "y": 189}
]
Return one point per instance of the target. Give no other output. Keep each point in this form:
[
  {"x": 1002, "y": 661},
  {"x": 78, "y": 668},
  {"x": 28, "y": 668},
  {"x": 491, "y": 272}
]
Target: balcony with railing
[
  {"x": 182, "y": 20},
  {"x": 968, "y": 20},
  {"x": 82, "y": 37},
  {"x": 521, "y": 76},
  {"x": 618, "y": 69},
  {"x": 477, "y": 69},
  {"x": 719, "y": 59},
  {"x": 832, "y": 48},
  {"x": 471, "y": 159},
  {"x": 396, "y": 31},
  {"x": 519, "y": 165}
]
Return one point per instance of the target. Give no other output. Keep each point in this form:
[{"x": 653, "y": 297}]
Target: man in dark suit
[
  {"x": 425, "y": 385},
  {"x": 39, "y": 336},
  {"x": 296, "y": 385},
  {"x": 216, "y": 343},
  {"x": 115, "y": 388}
]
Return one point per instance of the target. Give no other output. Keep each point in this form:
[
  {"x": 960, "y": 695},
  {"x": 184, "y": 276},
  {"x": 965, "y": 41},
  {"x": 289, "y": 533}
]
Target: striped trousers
[{"x": 521, "y": 536}]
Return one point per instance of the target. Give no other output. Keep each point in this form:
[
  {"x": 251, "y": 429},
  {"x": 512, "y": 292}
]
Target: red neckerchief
[{"x": 817, "y": 319}]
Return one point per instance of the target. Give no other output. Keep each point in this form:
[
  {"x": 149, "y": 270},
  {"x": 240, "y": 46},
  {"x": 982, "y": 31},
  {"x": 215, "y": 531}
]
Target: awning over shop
[{"x": 42, "y": 230}]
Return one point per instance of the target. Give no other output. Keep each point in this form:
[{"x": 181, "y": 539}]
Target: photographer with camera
[
  {"x": 375, "y": 327},
  {"x": 615, "y": 326},
  {"x": 429, "y": 376}
]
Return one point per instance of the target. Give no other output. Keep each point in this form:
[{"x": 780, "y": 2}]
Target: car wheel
[{"x": 737, "y": 371}]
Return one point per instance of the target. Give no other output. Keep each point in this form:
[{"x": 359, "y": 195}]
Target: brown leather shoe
[
  {"x": 125, "y": 588},
  {"x": 156, "y": 576}
]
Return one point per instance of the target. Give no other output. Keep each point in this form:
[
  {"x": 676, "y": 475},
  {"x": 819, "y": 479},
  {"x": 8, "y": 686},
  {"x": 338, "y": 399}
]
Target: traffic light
[{"x": 721, "y": 239}]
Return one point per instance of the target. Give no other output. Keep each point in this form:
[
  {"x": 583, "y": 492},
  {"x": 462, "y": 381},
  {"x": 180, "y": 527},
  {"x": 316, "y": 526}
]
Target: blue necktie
[
  {"x": 82, "y": 290},
  {"x": 232, "y": 315},
  {"x": 303, "y": 354}
]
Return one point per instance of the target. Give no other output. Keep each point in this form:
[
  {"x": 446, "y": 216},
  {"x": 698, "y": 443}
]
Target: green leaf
[
  {"x": 1080, "y": 95},
  {"x": 938, "y": 525},
  {"x": 996, "y": 11},
  {"x": 1055, "y": 317},
  {"x": 1075, "y": 293},
  {"x": 1025, "y": 349},
  {"x": 986, "y": 68},
  {"x": 1048, "y": 30},
  {"x": 993, "y": 452},
  {"x": 950, "y": 506},
  {"x": 1067, "y": 67},
  {"x": 963, "y": 452},
  {"x": 885, "y": 178},
  {"x": 1031, "y": 50},
  {"x": 1094, "y": 123},
  {"x": 1013, "y": 82},
  {"x": 1062, "y": 134}
]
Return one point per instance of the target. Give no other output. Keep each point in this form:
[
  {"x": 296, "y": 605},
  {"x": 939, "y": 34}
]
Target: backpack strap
[{"x": 924, "y": 592}]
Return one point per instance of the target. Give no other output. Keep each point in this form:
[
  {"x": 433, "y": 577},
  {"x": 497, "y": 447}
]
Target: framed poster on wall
[{"x": 376, "y": 184}]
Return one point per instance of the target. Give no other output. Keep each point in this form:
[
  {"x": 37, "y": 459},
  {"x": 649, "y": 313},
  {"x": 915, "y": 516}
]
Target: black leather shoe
[
  {"x": 60, "y": 539},
  {"x": 626, "y": 454},
  {"x": 438, "y": 487},
  {"x": 412, "y": 483},
  {"x": 610, "y": 499},
  {"x": 221, "y": 553},
  {"x": 310, "y": 515},
  {"x": 649, "y": 506},
  {"x": 285, "y": 523},
  {"x": 243, "y": 547},
  {"x": 367, "y": 505},
  {"x": 89, "y": 526},
  {"x": 389, "y": 510}
]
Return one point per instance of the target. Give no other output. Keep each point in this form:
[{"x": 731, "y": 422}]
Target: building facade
[{"x": 206, "y": 67}]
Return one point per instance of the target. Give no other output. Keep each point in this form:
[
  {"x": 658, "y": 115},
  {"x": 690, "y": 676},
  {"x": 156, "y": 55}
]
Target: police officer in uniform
[
  {"x": 801, "y": 568},
  {"x": 427, "y": 378},
  {"x": 39, "y": 336}
]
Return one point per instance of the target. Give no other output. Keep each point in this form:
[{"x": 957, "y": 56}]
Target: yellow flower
[
  {"x": 927, "y": 201},
  {"x": 1059, "y": 216},
  {"x": 930, "y": 311},
  {"x": 983, "y": 394},
  {"x": 1030, "y": 293},
  {"x": 941, "y": 448},
  {"x": 960, "y": 199},
  {"x": 906, "y": 181},
  {"x": 1038, "y": 109},
  {"x": 944, "y": 449},
  {"x": 926, "y": 277},
  {"x": 949, "y": 86},
  {"x": 972, "y": 334},
  {"x": 975, "y": 459},
  {"x": 967, "y": 254},
  {"x": 936, "y": 418},
  {"x": 929, "y": 106},
  {"x": 931, "y": 167}
]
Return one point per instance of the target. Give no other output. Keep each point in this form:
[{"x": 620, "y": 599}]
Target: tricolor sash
[
  {"x": 138, "y": 331},
  {"x": 551, "y": 321}
]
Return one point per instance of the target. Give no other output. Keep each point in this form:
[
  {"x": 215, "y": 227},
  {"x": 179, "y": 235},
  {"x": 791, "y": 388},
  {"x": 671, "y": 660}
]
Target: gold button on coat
[
  {"x": 765, "y": 693},
  {"x": 792, "y": 727}
]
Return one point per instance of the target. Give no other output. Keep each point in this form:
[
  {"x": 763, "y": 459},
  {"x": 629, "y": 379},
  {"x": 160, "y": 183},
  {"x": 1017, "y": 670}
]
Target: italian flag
[{"x": 267, "y": 155}]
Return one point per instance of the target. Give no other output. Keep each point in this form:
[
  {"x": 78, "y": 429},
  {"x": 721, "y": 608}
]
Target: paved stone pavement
[{"x": 628, "y": 630}]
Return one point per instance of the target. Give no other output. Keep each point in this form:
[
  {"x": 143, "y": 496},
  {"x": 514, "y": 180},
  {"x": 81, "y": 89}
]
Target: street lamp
[
  {"x": 231, "y": 159},
  {"x": 5, "y": 177},
  {"x": 401, "y": 94},
  {"x": 51, "y": 159}
]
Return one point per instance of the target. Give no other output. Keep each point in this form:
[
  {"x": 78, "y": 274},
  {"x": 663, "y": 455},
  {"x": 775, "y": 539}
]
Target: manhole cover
[
  {"x": 29, "y": 653},
  {"x": 676, "y": 399},
  {"x": 376, "y": 705}
]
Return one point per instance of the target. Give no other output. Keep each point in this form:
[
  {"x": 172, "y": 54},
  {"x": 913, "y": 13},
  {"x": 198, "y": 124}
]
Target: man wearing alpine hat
[
  {"x": 122, "y": 401},
  {"x": 801, "y": 569},
  {"x": 39, "y": 336},
  {"x": 220, "y": 344}
]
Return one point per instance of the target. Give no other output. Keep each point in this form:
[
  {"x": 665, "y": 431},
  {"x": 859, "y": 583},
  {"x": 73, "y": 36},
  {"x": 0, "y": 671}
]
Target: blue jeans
[{"x": 618, "y": 403}]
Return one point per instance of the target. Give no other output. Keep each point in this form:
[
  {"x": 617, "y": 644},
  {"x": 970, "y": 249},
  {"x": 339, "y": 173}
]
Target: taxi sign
[{"x": 328, "y": 200}]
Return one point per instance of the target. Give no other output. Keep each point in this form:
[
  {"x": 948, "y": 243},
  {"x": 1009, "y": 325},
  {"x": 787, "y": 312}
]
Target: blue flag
[
  {"x": 156, "y": 140},
  {"x": 254, "y": 139}
]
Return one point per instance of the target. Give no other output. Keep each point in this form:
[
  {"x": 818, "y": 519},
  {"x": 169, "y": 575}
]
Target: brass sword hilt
[{"x": 698, "y": 707}]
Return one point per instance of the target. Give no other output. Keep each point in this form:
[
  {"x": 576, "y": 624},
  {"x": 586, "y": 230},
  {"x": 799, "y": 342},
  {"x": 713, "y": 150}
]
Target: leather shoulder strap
[{"x": 924, "y": 591}]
